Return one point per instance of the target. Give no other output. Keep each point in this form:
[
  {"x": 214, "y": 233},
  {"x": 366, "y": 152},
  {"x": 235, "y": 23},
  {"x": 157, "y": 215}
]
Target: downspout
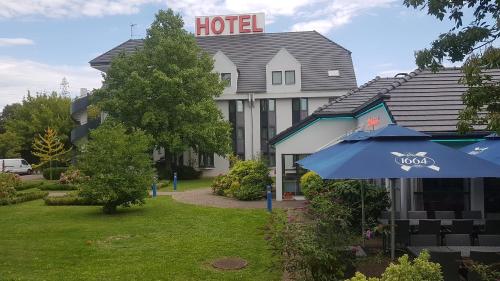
[{"x": 251, "y": 100}]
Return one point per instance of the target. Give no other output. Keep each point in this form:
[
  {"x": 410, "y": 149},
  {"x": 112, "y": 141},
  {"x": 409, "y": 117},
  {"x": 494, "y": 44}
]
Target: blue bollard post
[
  {"x": 269, "y": 199},
  {"x": 153, "y": 187},
  {"x": 175, "y": 181}
]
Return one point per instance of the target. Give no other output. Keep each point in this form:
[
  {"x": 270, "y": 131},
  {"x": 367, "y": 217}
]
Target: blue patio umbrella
[
  {"x": 488, "y": 149},
  {"x": 397, "y": 152}
]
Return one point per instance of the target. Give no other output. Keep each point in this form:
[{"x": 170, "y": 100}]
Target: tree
[
  {"x": 472, "y": 42},
  {"x": 167, "y": 88},
  {"x": 25, "y": 121},
  {"x": 118, "y": 164},
  {"x": 49, "y": 148}
]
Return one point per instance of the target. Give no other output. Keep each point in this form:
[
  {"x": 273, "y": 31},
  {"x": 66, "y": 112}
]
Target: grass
[
  {"x": 184, "y": 185},
  {"x": 162, "y": 240}
]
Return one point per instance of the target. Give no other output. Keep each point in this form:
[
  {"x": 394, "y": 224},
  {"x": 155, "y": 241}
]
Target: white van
[{"x": 17, "y": 166}]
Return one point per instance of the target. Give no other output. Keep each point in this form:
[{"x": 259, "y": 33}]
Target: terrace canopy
[
  {"x": 488, "y": 149},
  {"x": 396, "y": 152}
]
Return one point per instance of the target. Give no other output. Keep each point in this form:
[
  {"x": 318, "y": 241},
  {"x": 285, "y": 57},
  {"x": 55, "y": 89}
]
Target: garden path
[{"x": 205, "y": 197}]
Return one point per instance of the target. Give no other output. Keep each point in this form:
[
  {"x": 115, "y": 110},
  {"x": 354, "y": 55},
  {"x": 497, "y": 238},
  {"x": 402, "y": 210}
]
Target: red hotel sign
[{"x": 229, "y": 25}]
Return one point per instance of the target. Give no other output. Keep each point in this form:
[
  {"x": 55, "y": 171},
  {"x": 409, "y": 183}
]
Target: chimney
[{"x": 83, "y": 92}]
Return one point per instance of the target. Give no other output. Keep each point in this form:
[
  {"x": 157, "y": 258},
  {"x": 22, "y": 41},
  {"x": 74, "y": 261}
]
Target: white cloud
[
  {"x": 320, "y": 15},
  {"x": 336, "y": 13},
  {"x": 15, "y": 42},
  {"x": 70, "y": 8},
  {"x": 20, "y": 76}
]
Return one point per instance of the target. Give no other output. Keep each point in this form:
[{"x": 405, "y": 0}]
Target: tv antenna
[{"x": 132, "y": 25}]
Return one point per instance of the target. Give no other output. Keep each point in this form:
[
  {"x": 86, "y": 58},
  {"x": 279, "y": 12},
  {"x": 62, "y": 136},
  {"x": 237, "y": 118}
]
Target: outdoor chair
[
  {"x": 424, "y": 240},
  {"x": 489, "y": 240},
  {"x": 447, "y": 215},
  {"x": 472, "y": 215},
  {"x": 462, "y": 226},
  {"x": 492, "y": 227},
  {"x": 402, "y": 232},
  {"x": 457, "y": 240},
  {"x": 450, "y": 264},
  {"x": 494, "y": 216},
  {"x": 429, "y": 227},
  {"x": 417, "y": 215},
  {"x": 486, "y": 258}
]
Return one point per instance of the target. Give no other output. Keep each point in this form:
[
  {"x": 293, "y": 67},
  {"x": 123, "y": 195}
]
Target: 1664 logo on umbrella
[{"x": 415, "y": 160}]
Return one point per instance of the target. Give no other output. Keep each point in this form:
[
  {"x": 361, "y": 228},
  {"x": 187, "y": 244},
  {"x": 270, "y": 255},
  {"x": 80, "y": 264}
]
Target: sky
[{"x": 42, "y": 41}]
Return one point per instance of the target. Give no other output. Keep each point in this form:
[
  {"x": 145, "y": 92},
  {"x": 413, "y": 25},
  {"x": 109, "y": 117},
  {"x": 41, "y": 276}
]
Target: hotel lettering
[{"x": 229, "y": 24}]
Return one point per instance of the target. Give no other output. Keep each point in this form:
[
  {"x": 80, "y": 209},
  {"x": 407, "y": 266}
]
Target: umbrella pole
[
  {"x": 393, "y": 216},
  {"x": 363, "y": 212}
]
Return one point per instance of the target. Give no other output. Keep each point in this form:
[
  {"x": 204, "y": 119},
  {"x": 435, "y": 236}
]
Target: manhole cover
[{"x": 230, "y": 263}]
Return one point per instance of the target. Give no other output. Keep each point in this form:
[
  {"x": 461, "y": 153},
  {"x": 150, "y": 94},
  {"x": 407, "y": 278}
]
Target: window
[
  {"x": 24, "y": 162},
  {"x": 290, "y": 77},
  {"x": 267, "y": 129},
  {"x": 299, "y": 109},
  {"x": 272, "y": 105},
  {"x": 206, "y": 160},
  {"x": 277, "y": 78},
  {"x": 303, "y": 104},
  {"x": 226, "y": 79},
  {"x": 239, "y": 106},
  {"x": 240, "y": 133}
]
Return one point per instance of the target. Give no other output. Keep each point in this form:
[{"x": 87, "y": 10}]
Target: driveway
[{"x": 205, "y": 197}]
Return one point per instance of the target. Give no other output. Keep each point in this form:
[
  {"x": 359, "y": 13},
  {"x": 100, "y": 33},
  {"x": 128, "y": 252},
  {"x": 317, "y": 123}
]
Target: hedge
[
  {"x": 68, "y": 201},
  {"x": 24, "y": 197},
  {"x": 56, "y": 173},
  {"x": 57, "y": 186},
  {"x": 28, "y": 185}
]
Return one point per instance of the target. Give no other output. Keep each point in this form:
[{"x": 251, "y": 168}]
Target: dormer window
[
  {"x": 226, "y": 79},
  {"x": 290, "y": 77},
  {"x": 277, "y": 78}
]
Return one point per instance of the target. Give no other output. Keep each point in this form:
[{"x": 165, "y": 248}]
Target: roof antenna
[{"x": 132, "y": 25}]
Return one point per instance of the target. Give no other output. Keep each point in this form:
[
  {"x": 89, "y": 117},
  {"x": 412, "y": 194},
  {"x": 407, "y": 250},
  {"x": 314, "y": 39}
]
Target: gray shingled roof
[
  {"x": 351, "y": 102},
  {"x": 422, "y": 100},
  {"x": 251, "y": 52}
]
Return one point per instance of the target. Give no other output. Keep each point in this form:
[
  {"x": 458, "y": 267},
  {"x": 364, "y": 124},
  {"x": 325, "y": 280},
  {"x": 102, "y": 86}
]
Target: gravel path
[{"x": 204, "y": 197}]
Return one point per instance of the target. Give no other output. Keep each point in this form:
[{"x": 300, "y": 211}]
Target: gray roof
[
  {"x": 251, "y": 52},
  {"x": 421, "y": 100}
]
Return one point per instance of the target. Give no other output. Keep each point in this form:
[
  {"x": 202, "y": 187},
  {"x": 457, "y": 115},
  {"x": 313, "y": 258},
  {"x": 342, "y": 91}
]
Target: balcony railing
[
  {"x": 79, "y": 105},
  {"x": 82, "y": 131}
]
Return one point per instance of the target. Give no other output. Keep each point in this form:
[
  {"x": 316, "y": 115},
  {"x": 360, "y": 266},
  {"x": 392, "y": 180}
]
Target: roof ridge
[
  {"x": 348, "y": 94},
  {"x": 103, "y": 54},
  {"x": 400, "y": 81}
]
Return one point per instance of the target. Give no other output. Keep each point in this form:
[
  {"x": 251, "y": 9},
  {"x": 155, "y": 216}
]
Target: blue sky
[{"x": 43, "y": 41}]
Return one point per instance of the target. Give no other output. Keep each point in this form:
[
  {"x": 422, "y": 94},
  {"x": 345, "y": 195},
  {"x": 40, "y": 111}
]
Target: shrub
[
  {"x": 57, "y": 186},
  {"x": 187, "y": 173},
  {"x": 70, "y": 200},
  {"x": 56, "y": 172},
  {"x": 72, "y": 176},
  {"x": 421, "y": 269},
  {"x": 8, "y": 184},
  {"x": 23, "y": 197},
  {"x": 220, "y": 184},
  {"x": 348, "y": 194},
  {"x": 118, "y": 165},
  {"x": 311, "y": 184},
  {"x": 312, "y": 251},
  {"x": 247, "y": 180},
  {"x": 27, "y": 185}
]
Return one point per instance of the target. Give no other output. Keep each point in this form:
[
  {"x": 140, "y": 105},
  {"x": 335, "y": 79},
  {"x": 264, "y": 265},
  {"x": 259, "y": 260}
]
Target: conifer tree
[{"x": 48, "y": 148}]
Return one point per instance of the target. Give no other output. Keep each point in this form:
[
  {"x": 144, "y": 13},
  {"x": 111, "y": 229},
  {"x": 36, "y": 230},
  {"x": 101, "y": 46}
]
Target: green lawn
[
  {"x": 162, "y": 240},
  {"x": 183, "y": 185}
]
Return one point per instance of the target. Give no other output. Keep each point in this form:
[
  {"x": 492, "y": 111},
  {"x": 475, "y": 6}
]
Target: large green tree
[
  {"x": 167, "y": 88},
  {"x": 21, "y": 123},
  {"x": 119, "y": 166},
  {"x": 473, "y": 42}
]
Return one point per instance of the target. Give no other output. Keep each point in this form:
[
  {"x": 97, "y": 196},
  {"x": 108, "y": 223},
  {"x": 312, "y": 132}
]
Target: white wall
[
  {"x": 283, "y": 61},
  {"x": 222, "y": 64},
  {"x": 283, "y": 114},
  {"x": 315, "y": 103},
  {"x": 308, "y": 141}
]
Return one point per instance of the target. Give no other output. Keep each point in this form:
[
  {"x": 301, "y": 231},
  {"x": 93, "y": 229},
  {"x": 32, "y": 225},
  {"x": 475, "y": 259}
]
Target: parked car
[{"x": 17, "y": 166}]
